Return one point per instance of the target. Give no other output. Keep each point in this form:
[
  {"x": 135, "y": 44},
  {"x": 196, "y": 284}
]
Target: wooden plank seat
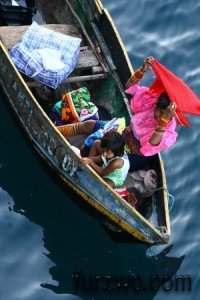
[{"x": 10, "y": 36}]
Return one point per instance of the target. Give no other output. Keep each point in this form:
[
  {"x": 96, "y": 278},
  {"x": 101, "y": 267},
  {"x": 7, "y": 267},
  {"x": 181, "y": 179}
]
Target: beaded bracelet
[
  {"x": 140, "y": 70},
  {"x": 165, "y": 119},
  {"x": 132, "y": 80},
  {"x": 163, "y": 122},
  {"x": 159, "y": 130},
  {"x": 158, "y": 133},
  {"x": 137, "y": 75}
]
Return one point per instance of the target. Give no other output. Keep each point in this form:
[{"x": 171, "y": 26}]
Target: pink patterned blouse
[{"x": 143, "y": 123}]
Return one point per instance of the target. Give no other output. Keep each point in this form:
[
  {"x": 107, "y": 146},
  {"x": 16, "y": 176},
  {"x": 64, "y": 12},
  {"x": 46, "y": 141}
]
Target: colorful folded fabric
[{"x": 76, "y": 106}]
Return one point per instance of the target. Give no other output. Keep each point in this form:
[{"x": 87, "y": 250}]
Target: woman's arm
[{"x": 137, "y": 75}]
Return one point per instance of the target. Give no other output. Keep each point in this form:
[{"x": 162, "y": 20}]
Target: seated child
[{"x": 109, "y": 153}]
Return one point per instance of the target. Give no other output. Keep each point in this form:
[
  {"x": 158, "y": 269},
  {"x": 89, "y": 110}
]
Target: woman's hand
[
  {"x": 148, "y": 63},
  {"x": 138, "y": 74},
  {"x": 170, "y": 111},
  {"x": 168, "y": 114}
]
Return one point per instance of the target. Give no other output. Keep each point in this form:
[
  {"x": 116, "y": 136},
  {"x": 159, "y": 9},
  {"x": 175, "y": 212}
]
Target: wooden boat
[
  {"x": 17, "y": 12},
  {"x": 103, "y": 67}
]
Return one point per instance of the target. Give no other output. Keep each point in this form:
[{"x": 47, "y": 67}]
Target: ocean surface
[{"x": 46, "y": 239}]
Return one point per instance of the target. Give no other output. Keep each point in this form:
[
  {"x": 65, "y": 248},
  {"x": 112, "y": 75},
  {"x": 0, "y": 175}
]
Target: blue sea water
[{"x": 45, "y": 237}]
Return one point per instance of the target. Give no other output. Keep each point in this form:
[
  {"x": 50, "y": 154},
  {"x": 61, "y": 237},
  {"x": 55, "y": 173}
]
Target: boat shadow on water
[{"x": 72, "y": 251}]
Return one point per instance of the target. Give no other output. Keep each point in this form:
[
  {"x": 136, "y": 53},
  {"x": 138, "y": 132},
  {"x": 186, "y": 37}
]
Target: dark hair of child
[{"x": 114, "y": 141}]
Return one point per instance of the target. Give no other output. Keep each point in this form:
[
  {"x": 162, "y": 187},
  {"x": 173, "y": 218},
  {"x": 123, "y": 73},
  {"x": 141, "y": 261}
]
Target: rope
[{"x": 168, "y": 195}]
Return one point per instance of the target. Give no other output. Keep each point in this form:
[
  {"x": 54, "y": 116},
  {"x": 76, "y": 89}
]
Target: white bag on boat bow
[{"x": 45, "y": 55}]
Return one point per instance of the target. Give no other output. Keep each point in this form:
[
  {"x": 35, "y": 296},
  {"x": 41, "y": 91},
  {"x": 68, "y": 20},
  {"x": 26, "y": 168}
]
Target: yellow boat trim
[
  {"x": 119, "y": 39},
  {"x": 166, "y": 207},
  {"x": 96, "y": 205}
]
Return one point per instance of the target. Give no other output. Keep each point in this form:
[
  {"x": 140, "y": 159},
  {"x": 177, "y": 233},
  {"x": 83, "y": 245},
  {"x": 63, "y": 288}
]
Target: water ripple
[{"x": 41, "y": 241}]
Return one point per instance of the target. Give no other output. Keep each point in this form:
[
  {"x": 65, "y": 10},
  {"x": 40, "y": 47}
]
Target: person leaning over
[
  {"x": 108, "y": 159},
  {"x": 152, "y": 127}
]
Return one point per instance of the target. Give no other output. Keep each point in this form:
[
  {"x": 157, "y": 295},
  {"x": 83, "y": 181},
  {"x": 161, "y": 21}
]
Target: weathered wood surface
[
  {"x": 10, "y": 36},
  {"x": 71, "y": 79},
  {"x": 86, "y": 59}
]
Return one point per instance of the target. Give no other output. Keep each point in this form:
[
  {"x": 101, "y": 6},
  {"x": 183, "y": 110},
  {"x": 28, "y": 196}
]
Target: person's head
[
  {"x": 112, "y": 144},
  {"x": 162, "y": 103}
]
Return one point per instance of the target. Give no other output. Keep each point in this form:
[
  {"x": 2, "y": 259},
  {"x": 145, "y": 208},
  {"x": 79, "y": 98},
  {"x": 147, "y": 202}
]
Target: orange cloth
[
  {"x": 69, "y": 129},
  {"x": 177, "y": 90},
  {"x": 68, "y": 111}
]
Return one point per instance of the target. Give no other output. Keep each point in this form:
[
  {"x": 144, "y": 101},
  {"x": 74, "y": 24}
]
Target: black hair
[
  {"x": 114, "y": 141},
  {"x": 163, "y": 101}
]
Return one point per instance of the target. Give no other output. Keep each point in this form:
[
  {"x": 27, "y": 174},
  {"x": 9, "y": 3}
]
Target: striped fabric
[{"x": 31, "y": 62}]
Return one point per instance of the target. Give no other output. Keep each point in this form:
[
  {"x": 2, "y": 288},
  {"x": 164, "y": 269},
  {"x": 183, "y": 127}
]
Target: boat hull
[
  {"x": 17, "y": 14},
  {"x": 59, "y": 155}
]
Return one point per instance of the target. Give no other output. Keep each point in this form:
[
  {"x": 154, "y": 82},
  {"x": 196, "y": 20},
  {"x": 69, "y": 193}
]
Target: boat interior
[
  {"x": 90, "y": 70},
  {"x": 17, "y": 11}
]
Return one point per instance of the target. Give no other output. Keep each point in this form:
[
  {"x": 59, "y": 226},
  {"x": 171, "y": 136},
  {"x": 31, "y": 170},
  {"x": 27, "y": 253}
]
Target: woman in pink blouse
[{"x": 152, "y": 127}]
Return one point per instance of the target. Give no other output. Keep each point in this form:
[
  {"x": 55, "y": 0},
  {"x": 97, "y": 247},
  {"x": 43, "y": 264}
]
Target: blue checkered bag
[{"x": 45, "y": 55}]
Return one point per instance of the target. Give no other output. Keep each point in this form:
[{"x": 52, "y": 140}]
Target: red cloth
[{"x": 177, "y": 90}]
